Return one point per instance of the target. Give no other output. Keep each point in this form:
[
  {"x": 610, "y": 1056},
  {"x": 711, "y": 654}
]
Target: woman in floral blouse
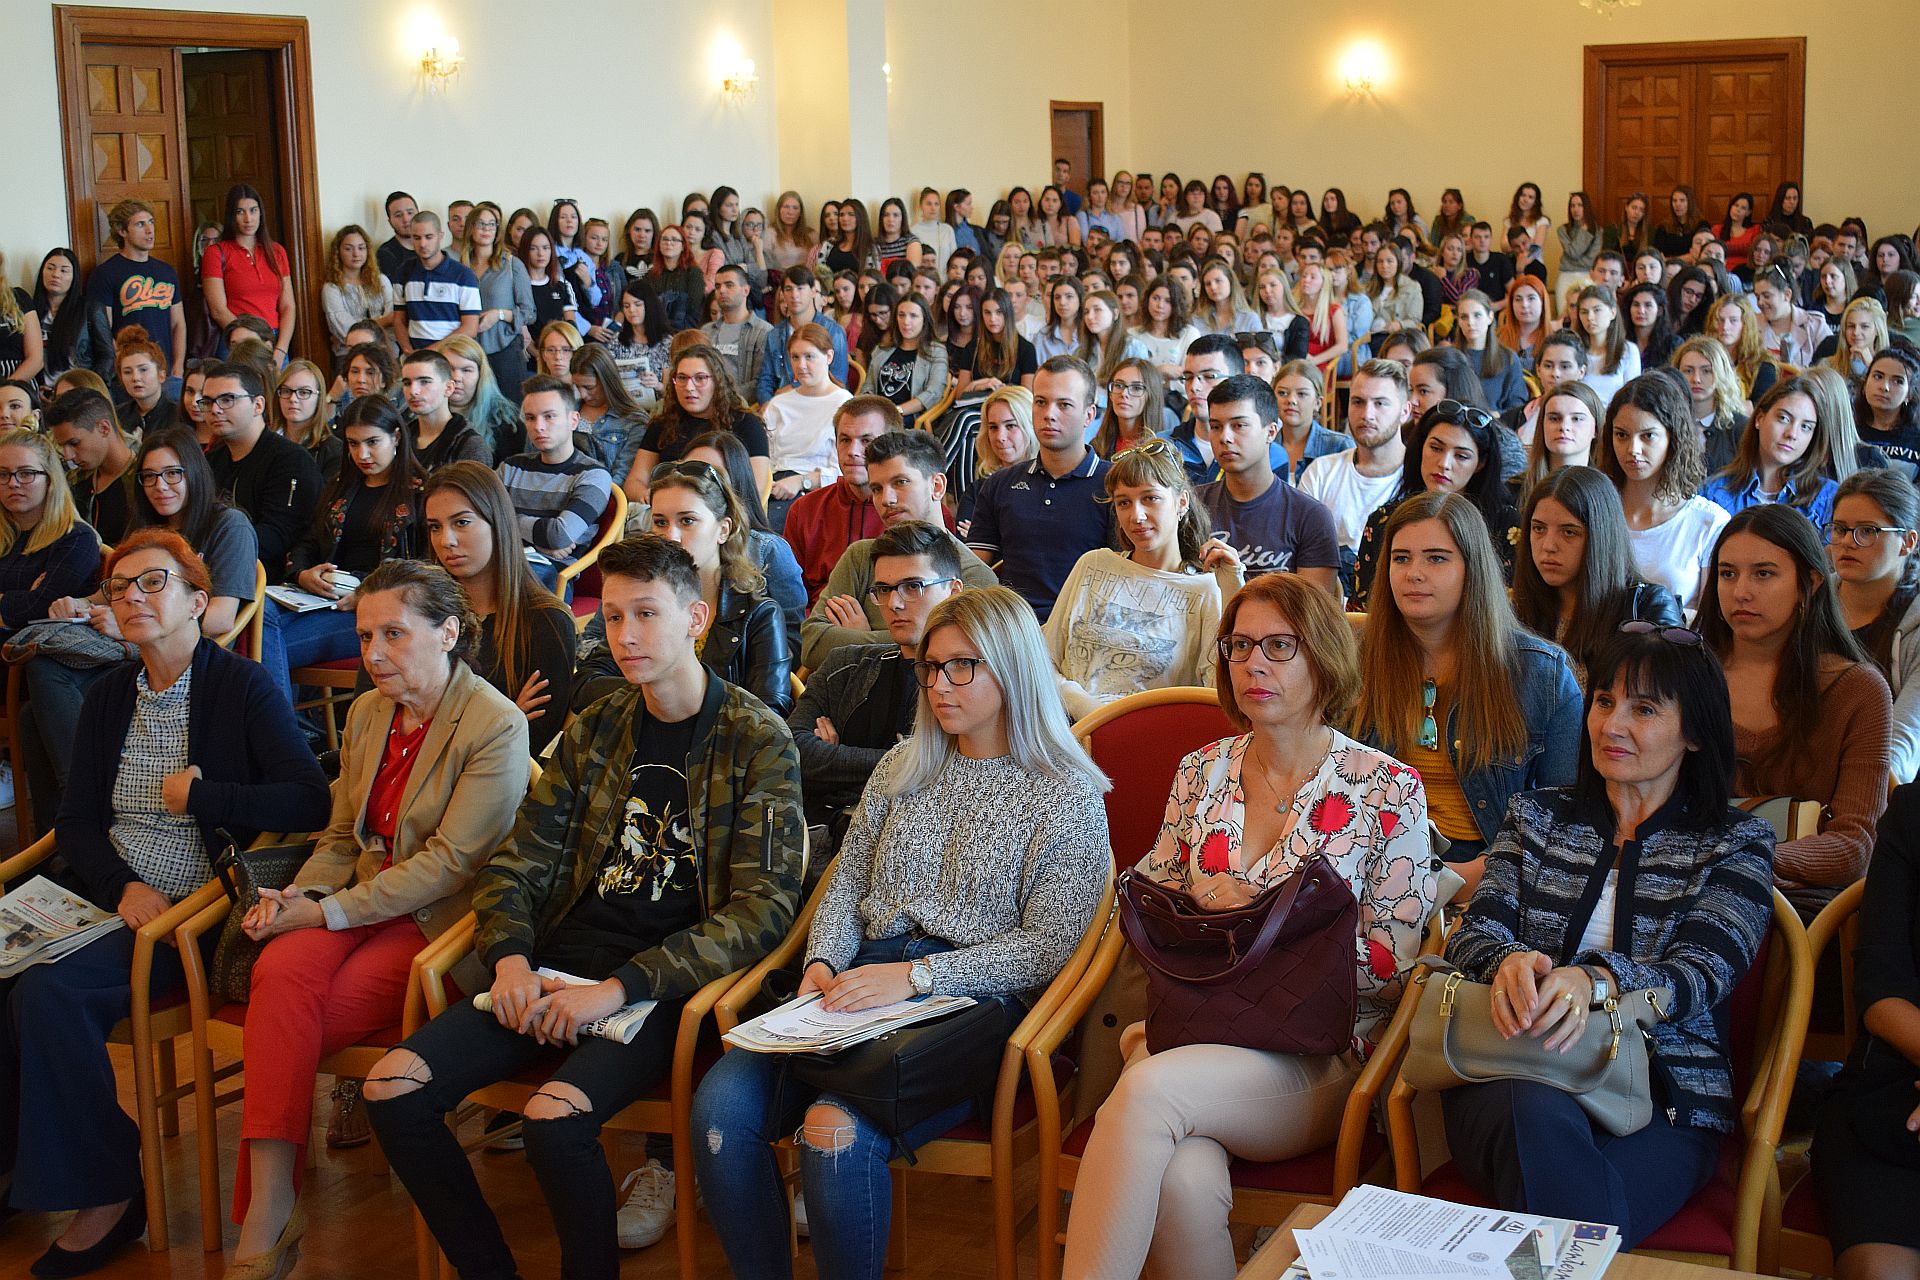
[{"x": 1245, "y": 812}]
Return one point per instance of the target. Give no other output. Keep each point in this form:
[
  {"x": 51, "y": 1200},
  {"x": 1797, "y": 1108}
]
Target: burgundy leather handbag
[{"x": 1277, "y": 974}]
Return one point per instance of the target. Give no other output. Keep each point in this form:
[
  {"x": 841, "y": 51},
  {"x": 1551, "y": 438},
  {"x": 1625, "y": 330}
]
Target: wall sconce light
[
  {"x": 440, "y": 64},
  {"x": 1362, "y": 69},
  {"x": 886, "y": 69},
  {"x": 739, "y": 83}
]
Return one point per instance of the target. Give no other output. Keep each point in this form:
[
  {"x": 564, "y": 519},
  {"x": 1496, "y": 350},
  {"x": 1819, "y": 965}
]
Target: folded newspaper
[
  {"x": 1378, "y": 1234},
  {"x": 802, "y": 1026},
  {"x": 623, "y": 1024},
  {"x": 294, "y": 600},
  {"x": 40, "y": 922}
]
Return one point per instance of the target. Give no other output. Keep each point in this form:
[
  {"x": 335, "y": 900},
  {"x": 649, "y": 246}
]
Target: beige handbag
[{"x": 1607, "y": 1071}]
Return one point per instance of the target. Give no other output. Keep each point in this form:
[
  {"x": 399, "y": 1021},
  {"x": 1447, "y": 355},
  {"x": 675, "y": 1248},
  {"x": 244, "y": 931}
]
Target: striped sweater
[
  {"x": 1691, "y": 910},
  {"x": 559, "y": 503}
]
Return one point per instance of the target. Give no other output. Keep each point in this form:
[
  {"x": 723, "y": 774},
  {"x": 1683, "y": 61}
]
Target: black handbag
[{"x": 243, "y": 873}]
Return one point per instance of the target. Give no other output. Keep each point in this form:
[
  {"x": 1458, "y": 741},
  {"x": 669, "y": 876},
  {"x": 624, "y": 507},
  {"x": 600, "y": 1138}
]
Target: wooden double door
[{"x": 1720, "y": 116}]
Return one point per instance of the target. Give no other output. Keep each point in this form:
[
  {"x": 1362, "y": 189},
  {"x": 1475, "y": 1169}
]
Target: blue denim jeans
[
  {"x": 741, "y": 1109},
  {"x": 289, "y": 640}
]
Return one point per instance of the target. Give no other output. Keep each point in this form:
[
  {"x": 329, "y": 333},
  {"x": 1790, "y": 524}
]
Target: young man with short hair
[
  {"x": 1039, "y": 518},
  {"x": 82, "y": 426},
  {"x": 1520, "y": 250},
  {"x": 397, "y": 251},
  {"x": 1496, "y": 269},
  {"x": 821, "y": 525},
  {"x": 131, "y": 287},
  {"x": 558, "y": 492},
  {"x": 1063, "y": 179},
  {"x": 660, "y": 850},
  {"x": 1610, "y": 269},
  {"x": 738, "y": 335},
  {"x": 906, "y": 475},
  {"x": 800, "y": 296},
  {"x": 439, "y": 294},
  {"x": 1260, "y": 523},
  {"x": 1354, "y": 483},
  {"x": 271, "y": 478},
  {"x": 440, "y": 435},
  {"x": 457, "y": 214},
  {"x": 1210, "y": 359},
  {"x": 860, "y": 701}
]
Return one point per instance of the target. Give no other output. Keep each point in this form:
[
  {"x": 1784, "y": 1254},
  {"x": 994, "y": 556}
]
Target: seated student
[
  {"x": 1886, "y": 409},
  {"x": 1445, "y": 373},
  {"x": 1574, "y": 581},
  {"x": 702, "y": 397},
  {"x": 1568, "y": 436},
  {"x": 1648, "y": 328},
  {"x": 46, "y": 550},
  {"x": 174, "y": 490},
  {"x": 1352, "y": 484},
  {"x": 1136, "y": 412},
  {"x": 1735, "y": 325},
  {"x": 433, "y": 765},
  {"x": 272, "y": 479},
  {"x": 861, "y": 700},
  {"x": 1785, "y": 457},
  {"x": 611, "y": 422},
  {"x": 1811, "y": 717},
  {"x": 1562, "y": 358},
  {"x": 800, "y": 420},
  {"x": 1038, "y": 529},
  {"x": 1871, "y": 541},
  {"x": 1145, "y": 617},
  {"x": 907, "y": 478},
  {"x": 723, "y": 451},
  {"x": 1688, "y": 916},
  {"x": 1301, "y": 392},
  {"x": 369, "y": 371},
  {"x": 652, "y": 910},
  {"x": 1454, "y": 685},
  {"x": 474, "y": 396},
  {"x": 1165, "y": 330},
  {"x": 1713, "y": 389},
  {"x": 175, "y": 752},
  {"x": 82, "y": 426},
  {"x": 369, "y": 514},
  {"x": 524, "y": 644},
  {"x": 438, "y": 434},
  {"x": 1788, "y": 332},
  {"x": 909, "y": 366},
  {"x": 1651, "y": 450},
  {"x": 799, "y": 299},
  {"x": 972, "y": 866},
  {"x": 297, "y": 414},
  {"x": 1502, "y": 379},
  {"x": 140, "y": 370},
  {"x": 1612, "y": 361},
  {"x": 19, "y": 405},
  {"x": 558, "y": 492},
  {"x": 821, "y": 525},
  {"x": 1257, "y": 522},
  {"x": 1155, "y": 1183},
  {"x": 1208, "y": 360},
  {"x": 1451, "y": 450}
]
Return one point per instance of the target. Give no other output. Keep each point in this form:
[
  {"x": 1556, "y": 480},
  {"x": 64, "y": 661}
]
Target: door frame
[
  {"x": 1097, "y": 148},
  {"x": 285, "y": 39},
  {"x": 1600, "y": 57}
]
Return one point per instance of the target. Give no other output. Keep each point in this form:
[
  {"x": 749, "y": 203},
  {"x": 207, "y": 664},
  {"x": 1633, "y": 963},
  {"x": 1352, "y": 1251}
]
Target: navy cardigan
[{"x": 257, "y": 773}]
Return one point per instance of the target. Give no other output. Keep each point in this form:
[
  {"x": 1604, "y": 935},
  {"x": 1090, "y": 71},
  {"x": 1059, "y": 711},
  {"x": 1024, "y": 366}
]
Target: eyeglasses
[
  {"x": 1860, "y": 535},
  {"x": 910, "y": 589},
  {"x": 692, "y": 379},
  {"x": 151, "y": 583},
  {"x": 958, "y": 671},
  {"x": 24, "y": 477},
  {"x": 223, "y": 402},
  {"x": 1455, "y": 413},
  {"x": 1118, "y": 388},
  {"x": 692, "y": 468},
  {"x": 1672, "y": 635},
  {"x": 1204, "y": 375},
  {"x": 171, "y": 477},
  {"x": 299, "y": 395},
  {"x": 1280, "y": 647}
]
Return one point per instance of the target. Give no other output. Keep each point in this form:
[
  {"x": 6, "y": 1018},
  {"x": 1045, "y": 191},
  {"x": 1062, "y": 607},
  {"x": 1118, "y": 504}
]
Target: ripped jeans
[
  {"x": 741, "y": 1109},
  {"x": 465, "y": 1049}
]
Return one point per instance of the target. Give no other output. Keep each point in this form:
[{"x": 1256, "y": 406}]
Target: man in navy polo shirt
[
  {"x": 439, "y": 296},
  {"x": 1260, "y": 523},
  {"x": 1038, "y": 519}
]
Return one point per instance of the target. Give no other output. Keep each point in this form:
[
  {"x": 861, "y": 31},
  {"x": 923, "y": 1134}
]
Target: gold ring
[{"x": 1567, "y": 996}]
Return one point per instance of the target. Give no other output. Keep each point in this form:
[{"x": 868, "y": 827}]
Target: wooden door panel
[
  {"x": 133, "y": 146},
  {"x": 1742, "y": 127},
  {"x": 1647, "y": 138},
  {"x": 1077, "y": 134},
  {"x": 230, "y": 130}
]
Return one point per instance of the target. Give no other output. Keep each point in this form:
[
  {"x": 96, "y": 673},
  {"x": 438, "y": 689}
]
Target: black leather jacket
[{"x": 746, "y": 645}]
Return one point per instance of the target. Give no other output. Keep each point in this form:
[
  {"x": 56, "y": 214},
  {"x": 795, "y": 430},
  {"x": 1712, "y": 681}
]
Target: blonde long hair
[
  {"x": 57, "y": 514},
  {"x": 1019, "y": 402}
]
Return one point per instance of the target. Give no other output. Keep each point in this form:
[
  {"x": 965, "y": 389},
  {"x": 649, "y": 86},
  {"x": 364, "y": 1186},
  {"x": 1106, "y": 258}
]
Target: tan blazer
[{"x": 458, "y": 807}]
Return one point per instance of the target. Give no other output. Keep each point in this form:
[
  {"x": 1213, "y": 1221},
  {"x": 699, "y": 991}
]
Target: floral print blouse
[{"x": 1363, "y": 811}]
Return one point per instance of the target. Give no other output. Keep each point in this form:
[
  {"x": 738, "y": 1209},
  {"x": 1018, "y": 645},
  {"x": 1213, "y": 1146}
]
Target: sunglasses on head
[
  {"x": 692, "y": 468},
  {"x": 1672, "y": 635},
  {"x": 1454, "y": 413}
]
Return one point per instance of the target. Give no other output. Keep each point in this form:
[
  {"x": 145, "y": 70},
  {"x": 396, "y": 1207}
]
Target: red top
[
  {"x": 390, "y": 781},
  {"x": 252, "y": 278},
  {"x": 820, "y": 527}
]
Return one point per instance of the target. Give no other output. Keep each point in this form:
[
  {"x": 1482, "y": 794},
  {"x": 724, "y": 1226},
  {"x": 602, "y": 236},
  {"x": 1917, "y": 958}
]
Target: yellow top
[{"x": 1446, "y": 803}]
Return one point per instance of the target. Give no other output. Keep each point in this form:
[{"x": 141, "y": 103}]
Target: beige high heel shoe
[{"x": 277, "y": 1262}]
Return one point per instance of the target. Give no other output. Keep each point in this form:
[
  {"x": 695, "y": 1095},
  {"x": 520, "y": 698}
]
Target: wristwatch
[
  {"x": 1602, "y": 989},
  {"x": 921, "y": 976}
]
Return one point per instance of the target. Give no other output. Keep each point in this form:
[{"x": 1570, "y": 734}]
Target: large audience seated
[{"x": 1513, "y": 549}]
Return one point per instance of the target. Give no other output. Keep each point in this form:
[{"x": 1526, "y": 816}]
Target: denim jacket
[
  {"x": 1204, "y": 470},
  {"x": 1729, "y": 493},
  {"x": 1320, "y": 443}
]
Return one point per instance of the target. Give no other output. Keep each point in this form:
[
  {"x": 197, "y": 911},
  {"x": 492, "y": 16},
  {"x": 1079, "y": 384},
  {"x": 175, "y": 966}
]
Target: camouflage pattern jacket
[{"x": 743, "y": 803}]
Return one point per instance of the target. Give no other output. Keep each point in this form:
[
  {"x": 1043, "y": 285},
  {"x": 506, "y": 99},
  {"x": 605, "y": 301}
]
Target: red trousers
[{"x": 315, "y": 992}]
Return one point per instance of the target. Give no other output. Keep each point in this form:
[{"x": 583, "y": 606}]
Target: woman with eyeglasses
[
  {"x": 1243, "y": 814},
  {"x": 46, "y": 550},
  {"x": 971, "y": 867},
  {"x": 296, "y": 413},
  {"x": 1786, "y": 456},
  {"x": 174, "y": 753},
  {"x": 507, "y": 310},
  {"x": 1812, "y": 717},
  {"x": 1452, "y": 450},
  {"x": 1145, "y": 616},
  {"x": 701, "y": 397},
  {"x": 1871, "y": 542}
]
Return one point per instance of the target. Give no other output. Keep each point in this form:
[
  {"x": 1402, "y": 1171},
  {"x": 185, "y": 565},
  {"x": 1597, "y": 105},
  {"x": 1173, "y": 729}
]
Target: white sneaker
[
  {"x": 800, "y": 1216},
  {"x": 646, "y": 1205}
]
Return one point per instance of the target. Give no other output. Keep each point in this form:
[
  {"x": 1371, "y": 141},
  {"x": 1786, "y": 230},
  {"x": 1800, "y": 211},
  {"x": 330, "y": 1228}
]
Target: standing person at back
[
  {"x": 821, "y": 525},
  {"x": 738, "y": 334},
  {"x": 244, "y": 273},
  {"x": 800, "y": 299},
  {"x": 439, "y": 294},
  {"x": 1356, "y": 482},
  {"x": 398, "y": 248},
  {"x": 1259, "y": 523},
  {"x": 134, "y": 287},
  {"x": 275, "y": 481},
  {"x": 1039, "y": 519}
]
